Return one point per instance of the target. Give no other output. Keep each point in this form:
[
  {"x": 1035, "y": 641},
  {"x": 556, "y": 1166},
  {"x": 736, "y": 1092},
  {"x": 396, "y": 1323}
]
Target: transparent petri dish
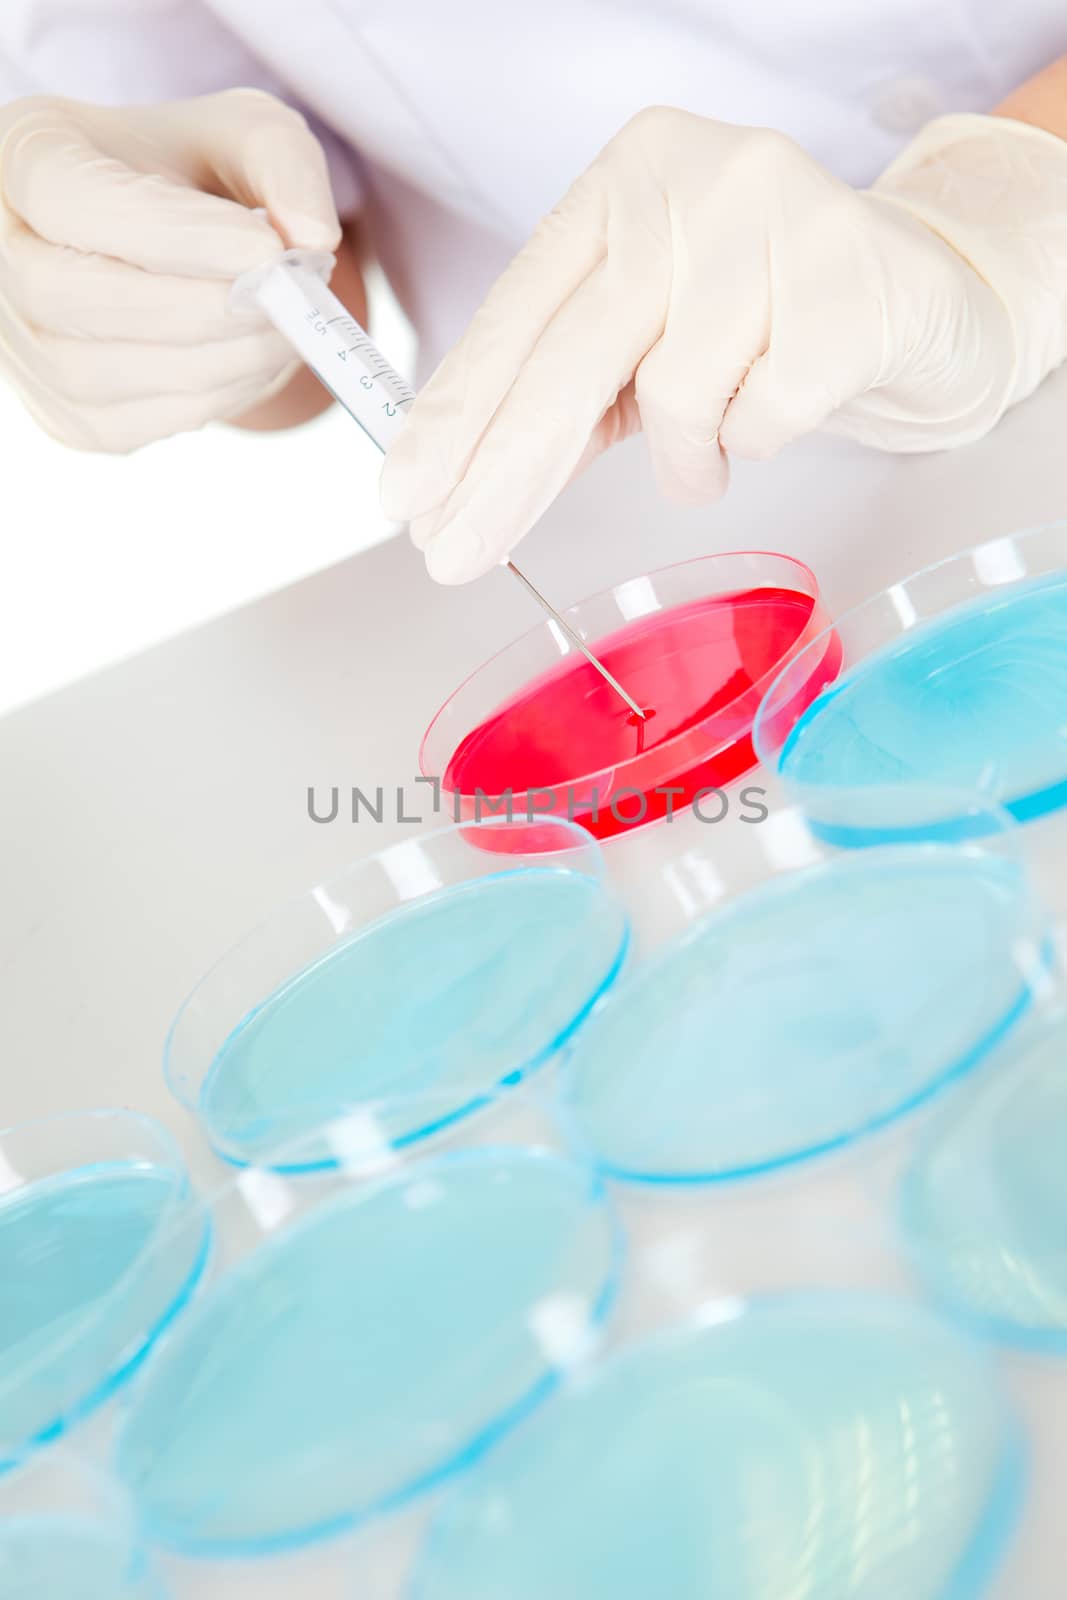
[
  {"x": 956, "y": 677},
  {"x": 418, "y": 981},
  {"x": 536, "y": 729},
  {"x": 363, "y": 1341},
  {"x": 67, "y": 1533},
  {"x": 983, "y": 1206},
  {"x": 838, "y": 1445},
  {"x": 101, "y": 1244},
  {"x": 804, "y": 1013}
]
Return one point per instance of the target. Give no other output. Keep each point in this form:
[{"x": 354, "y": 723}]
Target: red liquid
[{"x": 567, "y": 743}]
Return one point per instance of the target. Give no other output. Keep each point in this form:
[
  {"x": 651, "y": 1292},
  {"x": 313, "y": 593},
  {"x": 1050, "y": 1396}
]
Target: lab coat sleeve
[{"x": 120, "y": 52}]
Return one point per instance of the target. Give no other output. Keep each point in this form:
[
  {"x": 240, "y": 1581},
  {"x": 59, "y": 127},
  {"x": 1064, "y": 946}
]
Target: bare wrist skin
[{"x": 1041, "y": 100}]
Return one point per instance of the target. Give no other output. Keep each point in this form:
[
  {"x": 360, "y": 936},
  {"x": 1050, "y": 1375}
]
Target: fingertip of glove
[
  {"x": 423, "y": 530},
  {"x": 233, "y": 241},
  {"x": 304, "y": 232},
  {"x": 457, "y": 554},
  {"x": 267, "y": 232}
]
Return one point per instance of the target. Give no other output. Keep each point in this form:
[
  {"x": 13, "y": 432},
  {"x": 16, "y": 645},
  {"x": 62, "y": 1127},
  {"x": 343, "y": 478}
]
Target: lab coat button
[{"x": 906, "y": 105}]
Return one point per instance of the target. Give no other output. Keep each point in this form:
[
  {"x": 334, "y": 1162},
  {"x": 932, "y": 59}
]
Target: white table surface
[{"x": 153, "y": 812}]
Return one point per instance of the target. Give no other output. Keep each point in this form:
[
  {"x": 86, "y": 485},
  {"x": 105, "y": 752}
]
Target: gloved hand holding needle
[
  {"x": 704, "y": 279},
  {"x": 715, "y": 287}
]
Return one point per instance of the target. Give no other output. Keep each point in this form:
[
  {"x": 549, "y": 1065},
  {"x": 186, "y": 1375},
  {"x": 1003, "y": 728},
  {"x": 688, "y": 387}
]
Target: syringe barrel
[{"x": 292, "y": 294}]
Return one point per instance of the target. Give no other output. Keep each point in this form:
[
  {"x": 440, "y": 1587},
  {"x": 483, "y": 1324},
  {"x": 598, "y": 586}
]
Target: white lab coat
[{"x": 456, "y": 125}]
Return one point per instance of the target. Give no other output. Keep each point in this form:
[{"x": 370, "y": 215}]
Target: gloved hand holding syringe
[{"x": 293, "y": 294}]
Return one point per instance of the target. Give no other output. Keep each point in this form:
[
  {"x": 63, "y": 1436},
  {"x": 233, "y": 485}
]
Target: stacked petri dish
[
  {"x": 953, "y": 683},
  {"x": 982, "y": 1206},
  {"x": 799, "y": 1002},
  {"x": 844, "y": 1446},
  {"x": 102, "y": 1243},
  {"x": 362, "y": 1339},
  {"x": 408, "y": 990},
  {"x": 595, "y": 1237},
  {"x": 405, "y": 1257},
  {"x": 474, "y": 1364}
]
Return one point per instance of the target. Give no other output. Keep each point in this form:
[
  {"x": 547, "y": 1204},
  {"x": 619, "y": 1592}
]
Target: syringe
[{"x": 293, "y": 294}]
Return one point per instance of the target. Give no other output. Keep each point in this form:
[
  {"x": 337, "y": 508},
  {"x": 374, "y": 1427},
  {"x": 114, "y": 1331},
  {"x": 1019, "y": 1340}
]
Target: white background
[{"x": 102, "y": 556}]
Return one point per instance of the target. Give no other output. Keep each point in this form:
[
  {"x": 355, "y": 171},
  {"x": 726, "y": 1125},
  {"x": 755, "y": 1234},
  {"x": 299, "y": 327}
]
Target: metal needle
[{"x": 579, "y": 643}]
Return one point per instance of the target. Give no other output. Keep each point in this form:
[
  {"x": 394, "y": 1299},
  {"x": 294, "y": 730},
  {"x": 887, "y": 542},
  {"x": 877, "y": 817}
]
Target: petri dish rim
[
  {"x": 1023, "y": 1337},
  {"x": 132, "y": 1360},
  {"x": 484, "y": 1439},
  {"x": 440, "y": 1122},
  {"x": 583, "y": 1146},
  {"x": 771, "y": 752},
  {"x": 806, "y": 639},
  {"x": 573, "y": 837},
  {"x": 981, "y": 1557}
]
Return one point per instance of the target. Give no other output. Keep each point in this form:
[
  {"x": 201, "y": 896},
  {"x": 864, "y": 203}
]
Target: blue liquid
[
  {"x": 85, "y": 1286},
  {"x": 382, "y": 1340},
  {"x": 54, "y": 1558},
  {"x": 974, "y": 701},
  {"x": 984, "y": 1208},
  {"x": 422, "y": 1015},
  {"x": 807, "y": 1012},
  {"x": 827, "y": 1446}
]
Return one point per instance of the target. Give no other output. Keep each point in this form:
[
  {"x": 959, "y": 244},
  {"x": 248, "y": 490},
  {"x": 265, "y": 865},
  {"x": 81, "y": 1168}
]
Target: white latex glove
[
  {"x": 715, "y": 286},
  {"x": 121, "y": 232}
]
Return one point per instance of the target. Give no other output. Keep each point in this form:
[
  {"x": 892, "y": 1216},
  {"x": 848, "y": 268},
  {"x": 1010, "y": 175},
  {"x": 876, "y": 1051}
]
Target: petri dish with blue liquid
[
  {"x": 101, "y": 1245},
  {"x": 836, "y": 1445},
  {"x": 955, "y": 678},
  {"x": 364, "y": 1343},
  {"x": 417, "y": 984},
  {"x": 66, "y": 1533},
  {"x": 983, "y": 1205},
  {"x": 805, "y": 1013}
]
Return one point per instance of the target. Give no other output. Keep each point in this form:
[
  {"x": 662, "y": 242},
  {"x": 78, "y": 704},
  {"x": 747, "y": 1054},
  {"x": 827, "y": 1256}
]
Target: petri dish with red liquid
[{"x": 536, "y": 729}]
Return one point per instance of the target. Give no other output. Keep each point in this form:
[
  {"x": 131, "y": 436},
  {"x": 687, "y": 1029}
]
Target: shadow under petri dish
[
  {"x": 984, "y": 1205},
  {"x": 814, "y": 1009},
  {"x": 422, "y": 1014},
  {"x": 85, "y": 1287},
  {"x": 685, "y": 666},
  {"x": 356, "y": 1358},
  {"x": 972, "y": 701},
  {"x": 825, "y": 1445}
]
